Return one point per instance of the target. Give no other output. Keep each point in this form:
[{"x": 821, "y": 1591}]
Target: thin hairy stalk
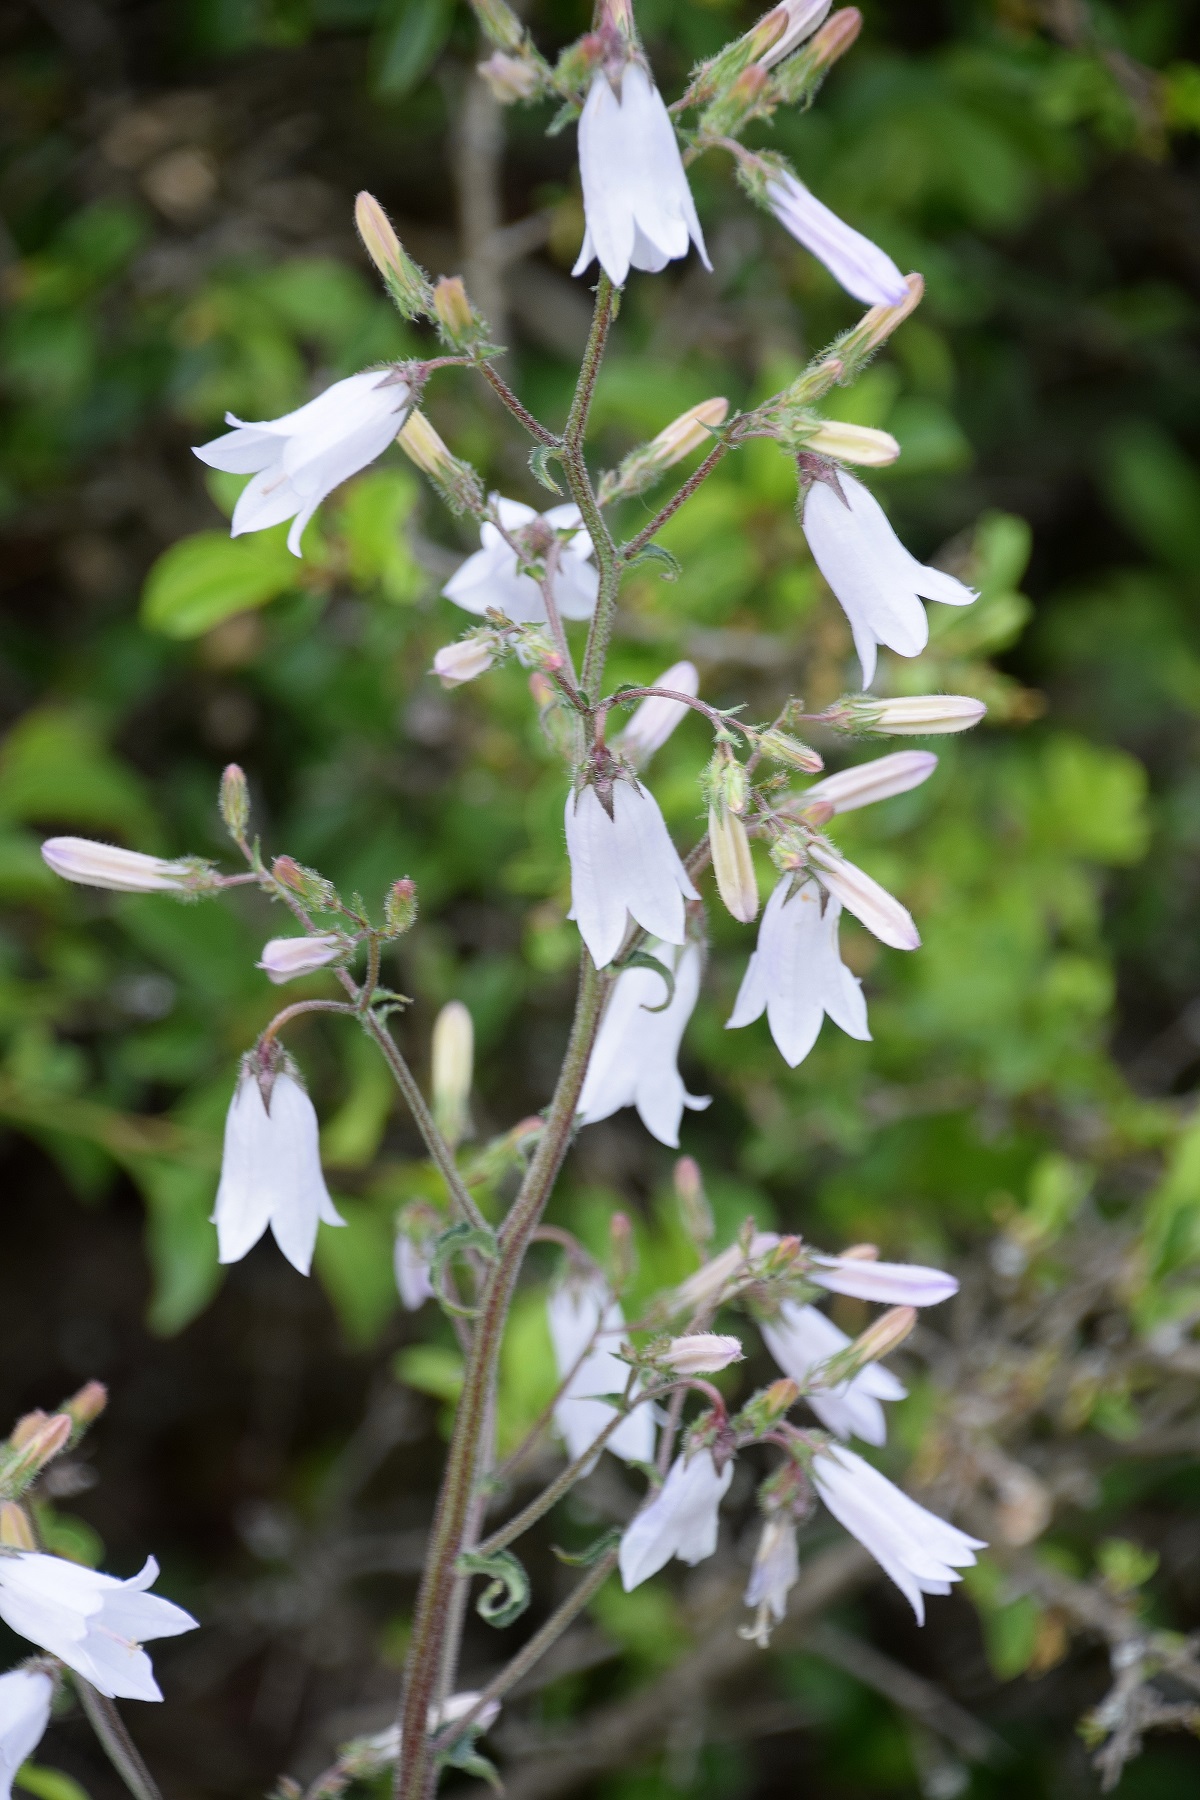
[
  {"x": 532, "y": 1653},
  {"x": 415, "y": 1768},
  {"x": 298, "y": 1009},
  {"x": 589, "y": 369},
  {"x": 476, "y": 1516},
  {"x": 682, "y": 493},
  {"x": 713, "y": 714},
  {"x": 118, "y": 1746},
  {"x": 533, "y": 426},
  {"x": 553, "y": 616}
]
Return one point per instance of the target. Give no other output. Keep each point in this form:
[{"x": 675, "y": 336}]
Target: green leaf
[
  {"x": 55, "y": 768},
  {"x": 48, "y": 1784},
  {"x": 594, "y": 1553},
  {"x": 209, "y": 577},
  {"x": 409, "y": 40},
  {"x": 432, "y": 1369},
  {"x": 539, "y": 461},
  {"x": 507, "y": 1593},
  {"x": 180, "y": 1240},
  {"x": 670, "y": 567},
  {"x": 355, "y": 1267}
]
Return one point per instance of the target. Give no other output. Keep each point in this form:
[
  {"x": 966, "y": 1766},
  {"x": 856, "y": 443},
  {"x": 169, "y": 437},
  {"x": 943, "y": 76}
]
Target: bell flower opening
[
  {"x": 681, "y": 1521},
  {"x": 623, "y": 865},
  {"x": 797, "y": 976},
  {"x": 800, "y": 1338},
  {"x": 586, "y": 1322},
  {"x": 634, "y": 1061},
  {"x": 271, "y": 1172},
  {"x": 491, "y": 578},
  {"x": 94, "y": 1623}
]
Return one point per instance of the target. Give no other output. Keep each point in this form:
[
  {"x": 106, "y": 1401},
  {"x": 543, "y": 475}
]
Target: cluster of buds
[
  {"x": 697, "y": 426},
  {"x": 727, "y": 792},
  {"x": 35, "y": 1440},
  {"x": 781, "y": 60}
]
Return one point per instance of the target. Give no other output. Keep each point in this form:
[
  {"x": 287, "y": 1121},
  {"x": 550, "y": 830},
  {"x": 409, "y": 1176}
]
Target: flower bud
[
  {"x": 405, "y": 281},
  {"x": 466, "y": 659},
  {"x": 235, "y": 802},
  {"x": 644, "y": 465},
  {"x": 693, "y": 1202},
  {"x": 31, "y": 1447},
  {"x": 16, "y": 1531},
  {"x": 454, "y": 479},
  {"x": 458, "y": 321},
  {"x": 283, "y": 959},
  {"x": 765, "y": 1409},
  {"x": 87, "y": 1405},
  {"x": 920, "y": 715},
  {"x": 781, "y": 747},
  {"x": 798, "y": 79},
  {"x": 884, "y": 1334},
  {"x": 866, "y": 783},
  {"x": 787, "y": 26},
  {"x": 311, "y": 887},
  {"x": 106, "y": 866},
  {"x": 453, "y": 1069},
  {"x": 854, "y": 443},
  {"x": 702, "y": 1353},
  {"x": 733, "y": 864},
  {"x": 511, "y": 78},
  {"x": 876, "y": 327},
  {"x": 26, "y": 1427},
  {"x": 878, "y": 910},
  {"x": 400, "y": 907},
  {"x": 500, "y": 23}
]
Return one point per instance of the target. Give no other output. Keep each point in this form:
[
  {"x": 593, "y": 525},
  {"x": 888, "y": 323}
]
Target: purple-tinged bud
[
  {"x": 400, "y": 907},
  {"x": 284, "y": 959},
  {"x": 107, "y": 866},
  {"x": 87, "y": 1405},
  {"x": 235, "y": 802},
  {"x": 702, "y": 1353}
]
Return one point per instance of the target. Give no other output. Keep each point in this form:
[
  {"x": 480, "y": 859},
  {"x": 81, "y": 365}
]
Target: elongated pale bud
[
  {"x": 31, "y": 1447},
  {"x": 702, "y": 1353},
  {"x": 404, "y": 279},
  {"x": 656, "y": 718},
  {"x": 693, "y": 1202},
  {"x": 400, "y": 907},
  {"x": 284, "y": 959},
  {"x": 854, "y": 444},
  {"x": 897, "y": 1284},
  {"x": 235, "y": 802},
  {"x": 453, "y": 1069},
  {"x": 312, "y": 887},
  {"x": 881, "y": 779},
  {"x": 917, "y": 715},
  {"x": 467, "y": 659},
  {"x": 878, "y": 910},
  {"x": 884, "y": 1334},
  {"x": 499, "y": 23},
  {"x": 511, "y": 78},
  {"x": 876, "y": 327},
  {"x": 107, "y": 866},
  {"x": 688, "y": 432},
  {"x": 16, "y": 1530},
  {"x": 781, "y": 747},
  {"x": 454, "y": 479},
  {"x": 458, "y": 322},
  {"x": 787, "y": 26},
  {"x": 86, "y": 1406},
  {"x": 733, "y": 864}
]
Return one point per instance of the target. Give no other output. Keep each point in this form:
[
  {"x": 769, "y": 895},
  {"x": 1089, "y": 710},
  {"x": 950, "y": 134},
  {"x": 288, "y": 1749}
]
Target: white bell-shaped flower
[
  {"x": 799, "y": 1338},
  {"x": 681, "y": 1520},
  {"x": 94, "y": 1623},
  {"x": 623, "y": 864},
  {"x": 412, "y": 1269},
  {"x": 491, "y": 578},
  {"x": 634, "y": 1061},
  {"x": 638, "y": 206},
  {"x": 300, "y": 458},
  {"x": 271, "y": 1171},
  {"x": 586, "y": 1327},
  {"x": 773, "y": 1574},
  {"x": 25, "y": 1696},
  {"x": 796, "y": 975},
  {"x": 860, "y": 266},
  {"x": 920, "y": 1552},
  {"x": 877, "y": 582}
]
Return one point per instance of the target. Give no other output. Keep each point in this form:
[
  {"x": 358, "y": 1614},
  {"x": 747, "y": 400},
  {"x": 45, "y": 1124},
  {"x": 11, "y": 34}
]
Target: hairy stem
[
  {"x": 682, "y": 493},
  {"x": 415, "y": 1768},
  {"x": 435, "y": 1143},
  {"x": 118, "y": 1746},
  {"x": 521, "y": 413}
]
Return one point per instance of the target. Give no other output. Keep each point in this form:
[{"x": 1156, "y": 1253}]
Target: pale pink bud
[
  {"x": 702, "y": 1353},
  {"x": 878, "y": 910},
  {"x": 880, "y": 779},
  {"x": 465, "y": 660},
  {"x": 885, "y": 1334},
  {"x": 511, "y": 78},
  {"x": 283, "y": 959},
  {"x": 901, "y": 1284},
  {"x": 106, "y": 866}
]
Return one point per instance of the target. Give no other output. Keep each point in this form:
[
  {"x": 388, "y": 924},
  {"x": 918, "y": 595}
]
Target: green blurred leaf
[
  {"x": 209, "y": 577},
  {"x": 56, "y": 769},
  {"x": 48, "y": 1784},
  {"x": 355, "y": 1267},
  {"x": 408, "y": 41}
]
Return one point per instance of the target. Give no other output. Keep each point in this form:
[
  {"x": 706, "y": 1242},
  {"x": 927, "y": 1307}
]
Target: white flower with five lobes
[
  {"x": 283, "y": 959},
  {"x": 891, "y": 1284},
  {"x": 702, "y": 1353},
  {"x": 271, "y": 1171},
  {"x": 299, "y": 459},
  {"x": 858, "y": 265},
  {"x": 94, "y": 1623},
  {"x": 796, "y": 974},
  {"x": 638, "y": 206},
  {"x": 878, "y": 584},
  {"x": 634, "y": 1060},
  {"x": 107, "y": 866},
  {"x": 586, "y": 1326},
  {"x": 681, "y": 1520},
  {"x": 25, "y": 1696},
  {"x": 465, "y": 660},
  {"x": 920, "y": 1552},
  {"x": 871, "y": 904},
  {"x": 775, "y": 1570},
  {"x": 800, "y": 1338},
  {"x": 491, "y": 578},
  {"x": 863, "y": 785},
  {"x": 412, "y": 1267},
  {"x": 623, "y": 865},
  {"x": 655, "y": 719},
  {"x": 386, "y": 1744}
]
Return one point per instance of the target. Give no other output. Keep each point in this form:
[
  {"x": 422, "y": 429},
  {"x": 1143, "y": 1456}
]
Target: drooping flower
[
  {"x": 491, "y": 577},
  {"x": 799, "y": 1338},
  {"x": 880, "y": 779},
  {"x": 702, "y": 1352},
  {"x": 634, "y": 1061},
  {"x": 586, "y": 1325},
  {"x": 773, "y": 1574},
  {"x": 655, "y": 719},
  {"x": 95, "y": 1623},
  {"x": 271, "y": 1171},
  {"x": 467, "y": 659},
  {"x": 796, "y": 975},
  {"x": 623, "y": 864},
  {"x": 638, "y": 205},
  {"x": 283, "y": 959},
  {"x": 860, "y": 266},
  {"x": 892, "y": 1284},
  {"x": 108, "y": 866},
  {"x": 25, "y": 1696},
  {"x": 860, "y": 894},
  {"x": 876, "y": 580},
  {"x": 412, "y": 1268},
  {"x": 299, "y": 459},
  {"x": 920, "y": 1552},
  {"x": 681, "y": 1520}
]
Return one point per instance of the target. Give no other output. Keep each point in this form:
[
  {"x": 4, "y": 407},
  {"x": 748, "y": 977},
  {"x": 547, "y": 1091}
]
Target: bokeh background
[{"x": 176, "y": 185}]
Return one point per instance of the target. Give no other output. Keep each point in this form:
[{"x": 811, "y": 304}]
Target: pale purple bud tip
[
  {"x": 107, "y": 866},
  {"x": 891, "y": 1284},
  {"x": 860, "y": 266},
  {"x": 702, "y": 1353},
  {"x": 283, "y": 959}
]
